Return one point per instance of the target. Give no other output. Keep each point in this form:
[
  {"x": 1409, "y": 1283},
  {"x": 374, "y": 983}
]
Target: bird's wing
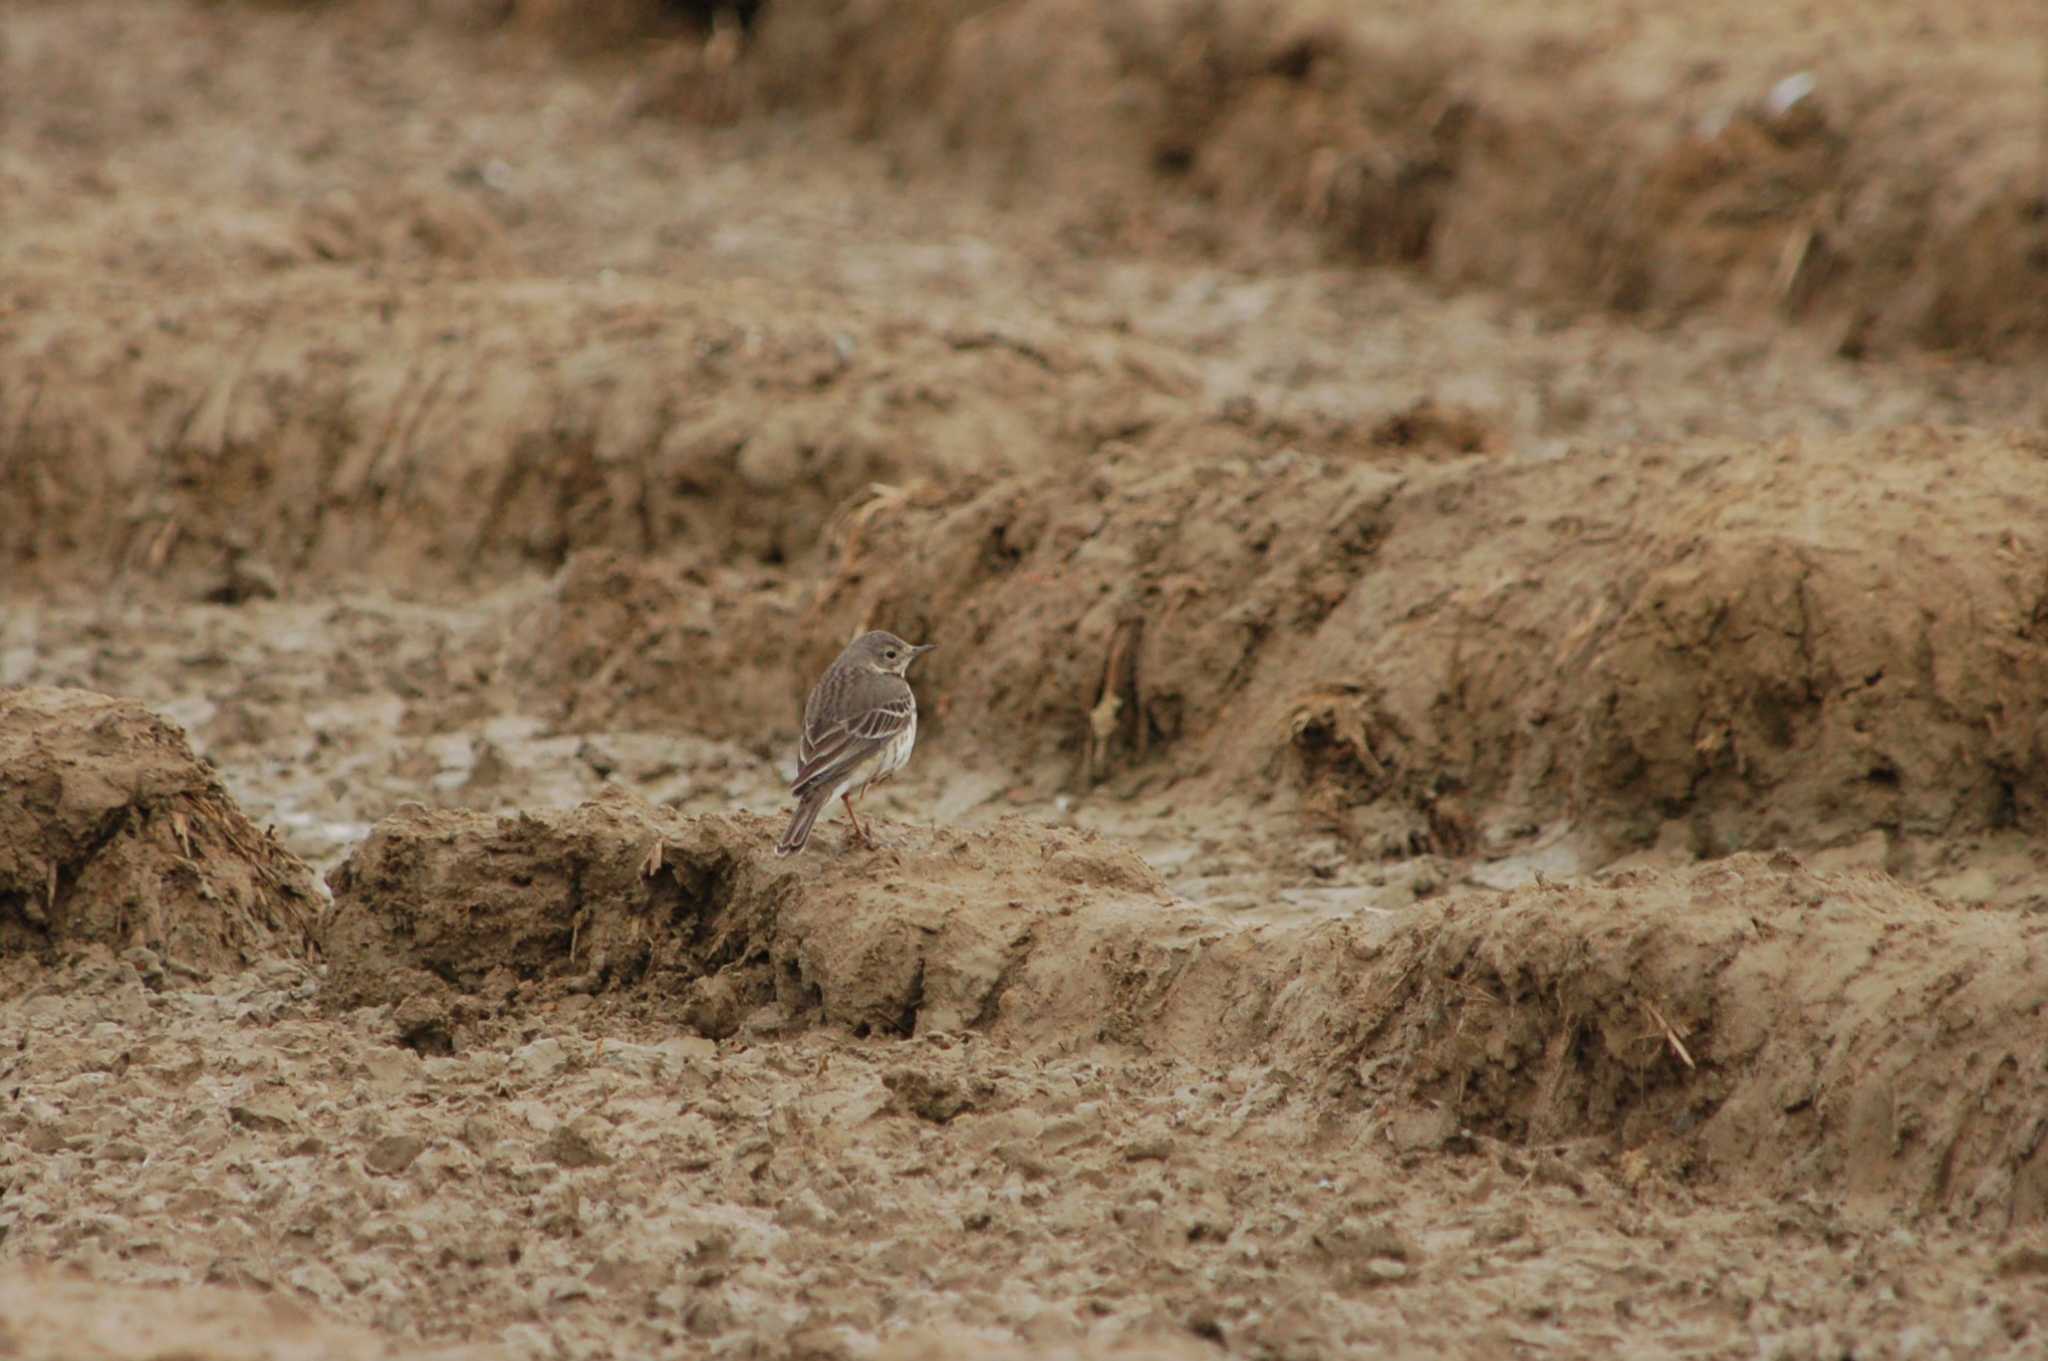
[{"x": 830, "y": 751}]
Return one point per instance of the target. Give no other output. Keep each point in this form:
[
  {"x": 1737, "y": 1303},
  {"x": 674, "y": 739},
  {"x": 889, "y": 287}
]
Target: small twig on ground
[{"x": 1677, "y": 1045}]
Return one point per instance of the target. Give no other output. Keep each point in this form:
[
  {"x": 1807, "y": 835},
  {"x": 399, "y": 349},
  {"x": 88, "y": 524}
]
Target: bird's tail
[{"x": 799, "y": 830}]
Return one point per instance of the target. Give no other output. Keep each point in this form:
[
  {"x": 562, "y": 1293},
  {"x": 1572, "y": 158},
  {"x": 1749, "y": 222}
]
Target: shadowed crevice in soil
[{"x": 1880, "y": 1042}]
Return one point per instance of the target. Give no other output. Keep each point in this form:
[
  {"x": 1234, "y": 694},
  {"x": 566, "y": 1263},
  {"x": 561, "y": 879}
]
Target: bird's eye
[{"x": 890, "y": 654}]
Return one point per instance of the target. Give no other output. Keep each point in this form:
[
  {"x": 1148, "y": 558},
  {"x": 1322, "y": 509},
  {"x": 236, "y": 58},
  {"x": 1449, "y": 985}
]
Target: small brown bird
[{"x": 859, "y": 726}]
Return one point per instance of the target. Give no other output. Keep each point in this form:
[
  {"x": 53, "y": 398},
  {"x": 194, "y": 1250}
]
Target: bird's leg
[
  {"x": 863, "y": 794},
  {"x": 854, "y": 818},
  {"x": 860, "y": 797}
]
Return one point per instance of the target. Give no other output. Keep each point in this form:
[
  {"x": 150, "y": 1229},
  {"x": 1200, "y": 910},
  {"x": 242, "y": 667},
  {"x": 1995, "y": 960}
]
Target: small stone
[
  {"x": 424, "y": 1025},
  {"x": 577, "y": 1143},
  {"x": 246, "y": 578},
  {"x": 281, "y": 973},
  {"x": 317, "y": 1280},
  {"x": 391, "y": 1069},
  {"x": 1361, "y": 1236},
  {"x": 265, "y": 1110},
  {"x": 1386, "y": 1270},
  {"x": 2023, "y": 1261},
  {"x": 714, "y": 1007},
  {"x": 935, "y": 1098},
  {"x": 1420, "y": 1131},
  {"x": 558, "y": 1289},
  {"x": 1152, "y": 1146},
  {"x": 48, "y": 1137},
  {"x": 542, "y": 1059},
  {"x": 393, "y": 1153},
  {"x": 1505, "y": 1227}
]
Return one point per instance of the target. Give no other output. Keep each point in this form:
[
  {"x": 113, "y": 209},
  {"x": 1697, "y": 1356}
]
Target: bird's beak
[{"x": 922, "y": 648}]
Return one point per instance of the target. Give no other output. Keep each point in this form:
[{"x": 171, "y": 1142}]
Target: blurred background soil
[{"x": 1481, "y": 794}]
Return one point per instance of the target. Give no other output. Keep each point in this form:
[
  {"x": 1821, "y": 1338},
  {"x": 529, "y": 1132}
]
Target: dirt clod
[
  {"x": 393, "y": 1154},
  {"x": 113, "y": 832}
]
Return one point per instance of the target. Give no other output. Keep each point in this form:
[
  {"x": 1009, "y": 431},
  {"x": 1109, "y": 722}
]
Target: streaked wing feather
[
  {"x": 826, "y": 744},
  {"x": 825, "y": 749},
  {"x": 884, "y": 721},
  {"x": 841, "y": 762},
  {"x": 813, "y": 743}
]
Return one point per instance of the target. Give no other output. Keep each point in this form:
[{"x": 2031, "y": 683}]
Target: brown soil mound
[
  {"x": 1875, "y": 1040},
  {"x": 1719, "y": 635},
  {"x": 499, "y": 902},
  {"x": 112, "y": 832}
]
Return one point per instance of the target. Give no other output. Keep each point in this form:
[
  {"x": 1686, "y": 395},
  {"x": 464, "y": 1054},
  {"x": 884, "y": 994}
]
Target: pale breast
[{"x": 898, "y": 750}]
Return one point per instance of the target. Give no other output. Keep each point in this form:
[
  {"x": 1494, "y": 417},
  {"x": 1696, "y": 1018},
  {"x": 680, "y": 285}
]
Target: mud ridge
[
  {"x": 1450, "y": 656},
  {"x": 476, "y": 430},
  {"x": 1828, "y": 197},
  {"x": 1882, "y": 1043}
]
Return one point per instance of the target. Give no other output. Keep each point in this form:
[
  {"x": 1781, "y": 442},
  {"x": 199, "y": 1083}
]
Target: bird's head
[{"x": 885, "y": 652}]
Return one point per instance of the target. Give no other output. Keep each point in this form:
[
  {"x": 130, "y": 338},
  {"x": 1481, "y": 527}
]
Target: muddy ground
[{"x": 1481, "y": 793}]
